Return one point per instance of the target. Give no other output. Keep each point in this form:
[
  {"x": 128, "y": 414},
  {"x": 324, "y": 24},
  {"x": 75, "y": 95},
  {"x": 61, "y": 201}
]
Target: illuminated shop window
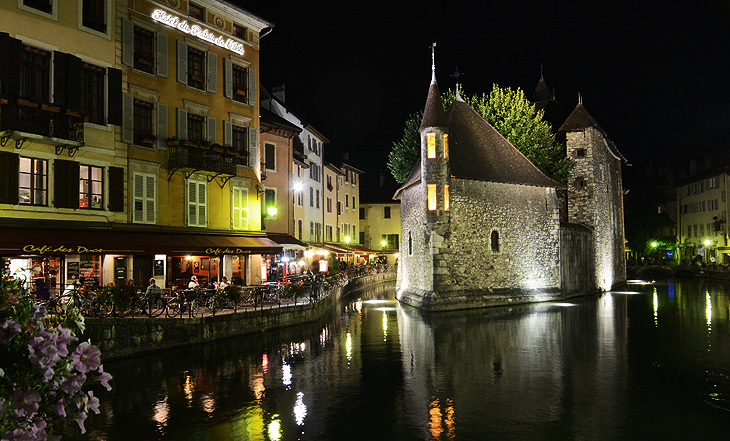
[
  {"x": 446, "y": 198},
  {"x": 446, "y": 146},
  {"x": 431, "y": 197},
  {"x": 431, "y": 144}
]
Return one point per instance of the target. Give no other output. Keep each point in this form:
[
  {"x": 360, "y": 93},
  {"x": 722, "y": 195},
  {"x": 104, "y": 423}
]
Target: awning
[
  {"x": 286, "y": 240},
  {"x": 34, "y": 241}
]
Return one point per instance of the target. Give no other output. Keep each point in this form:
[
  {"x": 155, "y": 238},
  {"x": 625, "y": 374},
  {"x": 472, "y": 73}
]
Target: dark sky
[{"x": 654, "y": 76}]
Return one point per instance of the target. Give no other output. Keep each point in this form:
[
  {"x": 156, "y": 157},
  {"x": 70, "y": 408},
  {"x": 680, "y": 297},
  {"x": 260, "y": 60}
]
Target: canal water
[{"x": 649, "y": 362}]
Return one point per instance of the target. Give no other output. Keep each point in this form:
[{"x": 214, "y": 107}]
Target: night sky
[{"x": 654, "y": 76}]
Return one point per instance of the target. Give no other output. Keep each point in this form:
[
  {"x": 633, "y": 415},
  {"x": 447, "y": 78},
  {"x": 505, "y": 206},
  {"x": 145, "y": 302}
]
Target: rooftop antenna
[
  {"x": 456, "y": 75},
  {"x": 433, "y": 63}
]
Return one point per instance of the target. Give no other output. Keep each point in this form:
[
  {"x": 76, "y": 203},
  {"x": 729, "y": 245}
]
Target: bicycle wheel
[
  {"x": 154, "y": 307},
  {"x": 174, "y": 307},
  {"x": 102, "y": 308}
]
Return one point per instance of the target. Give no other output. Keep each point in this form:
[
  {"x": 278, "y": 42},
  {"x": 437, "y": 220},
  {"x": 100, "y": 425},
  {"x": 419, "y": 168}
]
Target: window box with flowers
[
  {"x": 27, "y": 103},
  {"x": 51, "y": 108}
]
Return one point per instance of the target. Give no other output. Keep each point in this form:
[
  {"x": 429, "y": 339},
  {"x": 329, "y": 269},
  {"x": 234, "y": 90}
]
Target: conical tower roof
[
  {"x": 580, "y": 119},
  {"x": 433, "y": 113}
]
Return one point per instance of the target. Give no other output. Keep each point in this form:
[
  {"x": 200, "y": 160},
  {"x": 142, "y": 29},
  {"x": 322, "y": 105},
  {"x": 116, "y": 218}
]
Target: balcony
[
  {"x": 23, "y": 120},
  {"x": 189, "y": 157}
]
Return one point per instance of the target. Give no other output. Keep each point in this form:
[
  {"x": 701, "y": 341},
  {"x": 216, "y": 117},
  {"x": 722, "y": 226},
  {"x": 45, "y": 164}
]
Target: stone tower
[{"x": 595, "y": 193}]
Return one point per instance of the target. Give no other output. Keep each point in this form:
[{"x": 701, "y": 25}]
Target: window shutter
[
  {"x": 139, "y": 200},
  {"x": 182, "y": 62},
  {"x": 150, "y": 199},
  {"x": 251, "y": 87},
  {"x": 162, "y": 126},
  {"x": 236, "y": 208},
  {"x": 202, "y": 204},
  {"x": 127, "y": 42},
  {"x": 162, "y": 49},
  {"x": 211, "y": 129},
  {"x": 212, "y": 74},
  {"x": 114, "y": 91},
  {"x": 127, "y": 118},
  {"x": 228, "y": 78},
  {"x": 116, "y": 189},
  {"x": 10, "y": 67},
  {"x": 73, "y": 85},
  {"x": 66, "y": 184},
  {"x": 227, "y": 133},
  {"x": 182, "y": 124},
  {"x": 60, "y": 69},
  {"x": 192, "y": 200},
  {"x": 253, "y": 147},
  {"x": 9, "y": 173}
]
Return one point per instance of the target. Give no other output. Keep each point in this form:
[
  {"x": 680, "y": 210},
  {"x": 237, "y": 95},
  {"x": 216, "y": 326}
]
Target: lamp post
[
  {"x": 383, "y": 243},
  {"x": 347, "y": 250},
  {"x": 707, "y": 244}
]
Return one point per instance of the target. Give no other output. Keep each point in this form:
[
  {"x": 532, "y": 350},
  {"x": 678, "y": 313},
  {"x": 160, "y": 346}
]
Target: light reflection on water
[{"x": 653, "y": 364}]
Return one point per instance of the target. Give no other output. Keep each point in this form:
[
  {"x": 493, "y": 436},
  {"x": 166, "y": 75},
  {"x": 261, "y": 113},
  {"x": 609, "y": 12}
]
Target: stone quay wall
[{"x": 125, "y": 337}]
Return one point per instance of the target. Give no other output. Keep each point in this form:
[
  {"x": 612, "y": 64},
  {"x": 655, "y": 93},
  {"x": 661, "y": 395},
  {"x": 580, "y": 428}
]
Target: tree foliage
[
  {"x": 404, "y": 153},
  {"x": 511, "y": 114}
]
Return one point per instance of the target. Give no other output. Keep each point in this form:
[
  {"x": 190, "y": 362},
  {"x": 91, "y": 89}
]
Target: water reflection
[{"x": 653, "y": 364}]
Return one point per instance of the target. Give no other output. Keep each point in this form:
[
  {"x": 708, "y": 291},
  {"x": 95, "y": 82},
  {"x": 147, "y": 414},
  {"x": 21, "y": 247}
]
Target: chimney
[
  {"x": 346, "y": 157},
  {"x": 280, "y": 92},
  {"x": 382, "y": 179}
]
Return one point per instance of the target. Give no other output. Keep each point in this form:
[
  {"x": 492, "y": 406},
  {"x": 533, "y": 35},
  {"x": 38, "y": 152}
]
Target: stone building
[{"x": 481, "y": 225}]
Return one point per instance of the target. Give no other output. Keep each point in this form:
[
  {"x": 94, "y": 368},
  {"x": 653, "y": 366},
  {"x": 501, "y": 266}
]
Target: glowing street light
[
  {"x": 347, "y": 249},
  {"x": 654, "y": 245},
  {"x": 383, "y": 243},
  {"x": 272, "y": 211}
]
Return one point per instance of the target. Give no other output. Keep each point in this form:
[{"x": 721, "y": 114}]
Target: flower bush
[{"x": 44, "y": 375}]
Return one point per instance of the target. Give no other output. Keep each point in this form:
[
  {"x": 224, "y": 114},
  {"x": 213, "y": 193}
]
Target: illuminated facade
[
  {"x": 480, "y": 224},
  {"x": 131, "y": 130}
]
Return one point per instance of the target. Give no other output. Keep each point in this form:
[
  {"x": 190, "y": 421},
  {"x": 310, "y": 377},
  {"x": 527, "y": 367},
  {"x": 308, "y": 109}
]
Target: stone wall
[
  {"x": 595, "y": 199},
  {"x": 415, "y": 265},
  {"x": 124, "y": 337}
]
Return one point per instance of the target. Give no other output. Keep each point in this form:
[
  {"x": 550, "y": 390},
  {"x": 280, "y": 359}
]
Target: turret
[{"x": 435, "y": 154}]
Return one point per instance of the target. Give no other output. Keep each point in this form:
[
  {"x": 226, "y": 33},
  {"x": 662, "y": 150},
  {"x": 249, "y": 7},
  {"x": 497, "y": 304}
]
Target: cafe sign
[
  {"x": 198, "y": 31},
  {"x": 60, "y": 249},
  {"x": 219, "y": 251}
]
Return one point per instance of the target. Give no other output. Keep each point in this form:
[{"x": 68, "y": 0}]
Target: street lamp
[
  {"x": 707, "y": 244},
  {"x": 272, "y": 211},
  {"x": 347, "y": 249},
  {"x": 383, "y": 243}
]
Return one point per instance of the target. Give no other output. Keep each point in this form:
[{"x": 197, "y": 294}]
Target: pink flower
[
  {"x": 104, "y": 378},
  {"x": 63, "y": 337},
  {"x": 8, "y": 330},
  {"x": 93, "y": 402},
  {"x": 80, "y": 420},
  {"x": 59, "y": 409},
  {"x": 25, "y": 403},
  {"x": 86, "y": 357}
]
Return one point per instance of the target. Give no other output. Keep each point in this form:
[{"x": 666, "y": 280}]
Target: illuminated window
[
  {"x": 431, "y": 197},
  {"x": 446, "y": 146},
  {"x": 431, "y": 143},
  {"x": 446, "y": 198}
]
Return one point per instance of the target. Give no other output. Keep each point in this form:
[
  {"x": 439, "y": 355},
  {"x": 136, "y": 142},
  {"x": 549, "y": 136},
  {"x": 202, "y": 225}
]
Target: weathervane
[{"x": 433, "y": 62}]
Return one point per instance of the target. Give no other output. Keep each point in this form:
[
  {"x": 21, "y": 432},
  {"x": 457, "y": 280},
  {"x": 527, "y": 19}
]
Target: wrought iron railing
[
  {"x": 186, "y": 155},
  {"x": 44, "y": 120}
]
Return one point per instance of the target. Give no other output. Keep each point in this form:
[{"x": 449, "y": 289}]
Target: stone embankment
[{"x": 124, "y": 337}]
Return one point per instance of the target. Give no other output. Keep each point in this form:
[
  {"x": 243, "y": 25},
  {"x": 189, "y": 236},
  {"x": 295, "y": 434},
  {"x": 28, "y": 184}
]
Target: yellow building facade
[{"x": 130, "y": 141}]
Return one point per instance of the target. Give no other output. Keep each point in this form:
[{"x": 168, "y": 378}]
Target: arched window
[{"x": 494, "y": 240}]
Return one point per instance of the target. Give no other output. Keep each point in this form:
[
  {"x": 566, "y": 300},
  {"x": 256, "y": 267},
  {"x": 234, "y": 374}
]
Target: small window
[
  {"x": 446, "y": 146},
  {"x": 144, "y": 50},
  {"x": 195, "y": 127},
  {"x": 197, "y": 12},
  {"x": 90, "y": 187},
  {"x": 239, "y": 31},
  {"x": 347, "y": 201},
  {"x": 353, "y": 203},
  {"x": 92, "y": 92},
  {"x": 143, "y": 123},
  {"x": 94, "y": 15},
  {"x": 270, "y": 156},
  {"x": 431, "y": 145},
  {"x": 317, "y": 198},
  {"x": 494, "y": 241},
  {"x": 33, "y": 181},
  {"x": 35, "y": 73},
  {"x": 580, "y": 153},
  {"x": 431, "y": 197},
  {"x": 446, "y": 198},
  {"x": 386, "y": 212},
  {"x": 41, "y": 5},
  {"x": 240, "y": 85},
  {"x": 240, "y": 140},
  {"x": 196, "y": 69},
  {"x": 362, "y": 213},
  {"x": 410, "y": 244}
]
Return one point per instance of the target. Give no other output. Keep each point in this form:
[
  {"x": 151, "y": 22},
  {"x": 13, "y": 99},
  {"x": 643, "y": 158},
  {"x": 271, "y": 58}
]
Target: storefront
[{"x": 97, "y": 257}]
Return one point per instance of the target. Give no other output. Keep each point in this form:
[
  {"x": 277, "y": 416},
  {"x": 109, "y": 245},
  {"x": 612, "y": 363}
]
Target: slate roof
[
  {"x": 580, "y": 119},
  {"x": 478, "y": 151},
  {"x": 433, "y": 113}
]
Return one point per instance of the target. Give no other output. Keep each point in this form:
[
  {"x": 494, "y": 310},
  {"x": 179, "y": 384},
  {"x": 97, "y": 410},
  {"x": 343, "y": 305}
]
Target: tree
[
  {"x": 404, "y": 153},
  {"x": 512, "y": 115}
]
